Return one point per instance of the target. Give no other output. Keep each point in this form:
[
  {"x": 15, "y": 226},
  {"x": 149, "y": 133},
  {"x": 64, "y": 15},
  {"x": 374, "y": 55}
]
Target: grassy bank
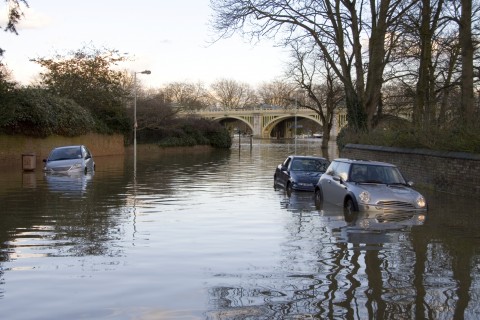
[{"x": 455, "y": 140}]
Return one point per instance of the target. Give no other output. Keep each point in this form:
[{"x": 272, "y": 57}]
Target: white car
[{"x": 69, "y": 159}]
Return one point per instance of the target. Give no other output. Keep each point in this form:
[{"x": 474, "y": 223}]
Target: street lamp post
[
  {"x": 135, "y": 119},
  {"x": 295, "y": 131}
]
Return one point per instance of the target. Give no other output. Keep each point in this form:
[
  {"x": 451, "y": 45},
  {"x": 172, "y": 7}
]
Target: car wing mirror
[
  {"x": 410, "y": 183},
  {"x": 338, "y": 179}
]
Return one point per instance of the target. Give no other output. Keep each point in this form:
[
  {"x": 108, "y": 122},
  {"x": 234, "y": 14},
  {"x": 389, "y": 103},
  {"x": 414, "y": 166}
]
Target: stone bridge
[{"x": 266, "y": 123}]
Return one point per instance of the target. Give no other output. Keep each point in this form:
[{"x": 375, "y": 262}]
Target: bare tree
[
  {"x": 186, "y": 96},
  {"x": 467, "y": 50},
  {"x": 425, "y": 100},
  {"x": 15, "y": 14},
  {"x": 276, "y": 93},
  {"x": 337, "y": 27},
  {"x": 430, "y": 52},
  {"x": 153, "y": 112},
  {"x": 447, "y": 78},
  {"x": 314, "y": 76},
  {"x": 230, "y": 94}
]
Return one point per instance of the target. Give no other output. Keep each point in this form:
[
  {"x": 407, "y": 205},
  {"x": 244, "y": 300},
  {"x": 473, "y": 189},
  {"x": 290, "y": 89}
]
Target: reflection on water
[
  {"x": 362, "y": 227},
  {"x": 75, "y": 183},
  {"x": 206, "y": 236}
]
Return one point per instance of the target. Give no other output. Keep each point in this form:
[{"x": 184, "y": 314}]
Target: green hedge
[
  {"x": 34, "y": 112},
  {"x": 188, "y": 132},
  {"x": 37, "y": 113}
]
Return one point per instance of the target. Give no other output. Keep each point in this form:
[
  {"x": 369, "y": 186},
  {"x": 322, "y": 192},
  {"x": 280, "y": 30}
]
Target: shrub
[
  {"x": 220, "y": 139},
  {"x": 34, "y": 112},
  {"x": 187, "y": 132}
]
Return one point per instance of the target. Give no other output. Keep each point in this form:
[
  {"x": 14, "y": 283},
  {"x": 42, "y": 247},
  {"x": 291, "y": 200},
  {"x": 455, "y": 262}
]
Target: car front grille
[
  {"x": 60, "y": 169},
  {"x": 396, "y": 204}
]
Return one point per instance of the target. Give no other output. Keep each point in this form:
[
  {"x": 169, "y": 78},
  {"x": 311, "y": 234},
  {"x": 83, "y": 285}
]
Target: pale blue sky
[{"x": 169, "y": 37}]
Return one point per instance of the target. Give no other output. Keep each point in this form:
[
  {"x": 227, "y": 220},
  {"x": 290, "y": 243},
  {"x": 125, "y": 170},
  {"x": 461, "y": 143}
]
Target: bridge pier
[{"x": 257, "y": 125}]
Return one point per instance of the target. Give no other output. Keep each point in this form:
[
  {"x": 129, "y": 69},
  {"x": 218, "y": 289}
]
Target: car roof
[
  {"x": 306, "y": 157},
  {"x": 73, "y": 146},
  {"x": 367, "y": 162}
]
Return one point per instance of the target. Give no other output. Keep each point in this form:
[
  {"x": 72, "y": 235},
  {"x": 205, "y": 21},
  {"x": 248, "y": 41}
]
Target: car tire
[
  {"x": 349, "y": 209},
  {"x": 275, "y": 183},
  {"x": 289, "y": 189}
]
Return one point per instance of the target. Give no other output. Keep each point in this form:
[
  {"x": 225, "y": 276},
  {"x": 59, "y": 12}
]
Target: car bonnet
[
  {"x": 62, "y": 163},
  {"x": 389, "y": 192},
  {"x": 306, "y": 176}
]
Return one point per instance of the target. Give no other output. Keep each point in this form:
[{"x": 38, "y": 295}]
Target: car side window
[
  {"x": 331, "y": 168},
  {"x": 286, "y": 163},
  {"x": 342, "y": 170},
  {"x": 87, "y": 153}
]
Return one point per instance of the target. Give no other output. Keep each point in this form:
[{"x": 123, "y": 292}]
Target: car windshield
[
  {"x": 364, "y": 173},
  {"x": 65, "y": 154},
  {"x": 312, "y": 165}
]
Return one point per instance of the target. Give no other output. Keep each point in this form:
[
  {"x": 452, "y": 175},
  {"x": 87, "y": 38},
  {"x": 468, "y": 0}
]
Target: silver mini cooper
[{"x": 367, "y": 186}]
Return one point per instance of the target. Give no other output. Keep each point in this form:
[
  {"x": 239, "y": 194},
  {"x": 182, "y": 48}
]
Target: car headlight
[
  {"x": 421, "y": 203},
  {"x": 76, "y": 166},
  {"x": 364, "y": 196}
]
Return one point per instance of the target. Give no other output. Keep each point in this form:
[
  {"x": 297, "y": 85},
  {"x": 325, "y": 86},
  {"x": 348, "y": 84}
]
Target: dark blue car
[{"x": 300, "y": 172}]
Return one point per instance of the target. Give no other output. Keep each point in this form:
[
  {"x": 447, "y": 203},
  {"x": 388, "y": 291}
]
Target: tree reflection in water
[{"x": 336, "y": 269}]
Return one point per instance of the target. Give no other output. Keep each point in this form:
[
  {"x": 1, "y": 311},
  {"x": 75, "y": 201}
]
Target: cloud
[
  {"x": 165, "y": 41},
  {"x": 34, "y": 20}
]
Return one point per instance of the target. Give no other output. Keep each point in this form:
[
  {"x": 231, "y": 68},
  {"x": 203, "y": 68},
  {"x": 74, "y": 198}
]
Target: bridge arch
[
  {"x": 270, "y": 124},
  {"x": 239, "y": 118}
]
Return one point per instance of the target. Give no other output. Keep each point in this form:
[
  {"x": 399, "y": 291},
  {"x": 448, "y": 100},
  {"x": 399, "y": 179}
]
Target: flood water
[{"x": 206, "y": 236}]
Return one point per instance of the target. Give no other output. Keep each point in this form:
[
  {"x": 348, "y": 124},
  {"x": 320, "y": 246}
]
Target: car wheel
[
  {"x": 318, "y": 199},
  {"x": 289, "y": 189},
  {"x": 85, "y": 170},
  {"x": 349, "y": 210},
  {"x": 275, "y": 182}
]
